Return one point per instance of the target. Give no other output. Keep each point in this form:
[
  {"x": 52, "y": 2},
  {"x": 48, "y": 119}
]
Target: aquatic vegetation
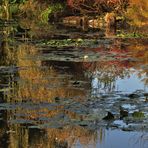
[
  {"x": 130, "y": 35},
  {"x": 69, "y": 42},
  {"x": 137, "y": 114},
  {"x": 71, "y": 86}
]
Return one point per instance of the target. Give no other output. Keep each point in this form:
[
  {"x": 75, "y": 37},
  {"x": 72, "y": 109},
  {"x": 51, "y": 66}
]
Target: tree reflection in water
[{"x": 37, "y": 83}]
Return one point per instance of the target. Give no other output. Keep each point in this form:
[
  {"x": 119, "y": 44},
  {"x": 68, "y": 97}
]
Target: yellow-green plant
[
  {"x": 50, "y": 10},
  {"x": 4, "y": 10}
]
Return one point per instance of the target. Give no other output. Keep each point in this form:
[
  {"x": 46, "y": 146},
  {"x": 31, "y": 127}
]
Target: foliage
[
  {"x": 138, "y": 13},
  {"x": 14, "y": 9},
  {"x": 39, "y": 11},
  {"x": 50, "y": 10},
  {"x": 32, "y": 9},
  {"x": 17, "y": 1},
  {"x": 98, "y": 6}
]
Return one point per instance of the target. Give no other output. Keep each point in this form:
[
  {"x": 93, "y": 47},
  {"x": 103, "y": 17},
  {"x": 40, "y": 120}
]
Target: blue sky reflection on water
[
  {"x": 123, "y": 139},
  {"x": 131, "y": 83},
  {"x": 114, "y": 138},
  {"x": 128, "y": 84}
]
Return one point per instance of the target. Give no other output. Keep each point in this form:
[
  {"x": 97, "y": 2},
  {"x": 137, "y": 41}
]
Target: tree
[{"x": 98, "y": 6}]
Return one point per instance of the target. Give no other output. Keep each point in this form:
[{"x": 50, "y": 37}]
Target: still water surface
[{"x": 55, "y": 93}]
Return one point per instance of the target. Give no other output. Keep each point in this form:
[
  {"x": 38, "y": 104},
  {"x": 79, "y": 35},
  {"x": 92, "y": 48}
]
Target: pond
[{"x": 73, "y": 88}]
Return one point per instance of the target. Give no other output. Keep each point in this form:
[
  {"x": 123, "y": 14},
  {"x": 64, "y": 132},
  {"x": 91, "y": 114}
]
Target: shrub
[{"x": 98, "y": 6}]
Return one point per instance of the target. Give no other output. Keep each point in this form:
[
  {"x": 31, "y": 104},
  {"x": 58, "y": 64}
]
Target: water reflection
[{"x": 49, "y": 97}]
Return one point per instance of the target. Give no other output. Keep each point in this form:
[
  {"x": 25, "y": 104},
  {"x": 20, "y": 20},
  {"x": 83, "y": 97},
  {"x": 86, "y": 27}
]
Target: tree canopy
[{"x": 98, "y": 6}]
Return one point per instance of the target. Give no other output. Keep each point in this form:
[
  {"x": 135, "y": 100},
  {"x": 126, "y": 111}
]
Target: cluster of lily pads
[{"x": 69, "y": 42}]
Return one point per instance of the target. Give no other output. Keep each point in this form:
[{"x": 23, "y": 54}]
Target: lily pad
[{"x": 137, "y": 114}]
